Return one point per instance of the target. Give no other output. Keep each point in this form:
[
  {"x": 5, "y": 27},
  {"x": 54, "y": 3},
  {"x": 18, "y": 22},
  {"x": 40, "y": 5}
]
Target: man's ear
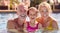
[{"x": 17, "y": 12}]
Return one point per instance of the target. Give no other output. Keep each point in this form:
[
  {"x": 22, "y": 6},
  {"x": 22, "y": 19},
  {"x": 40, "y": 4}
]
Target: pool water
[{"x": 4, "y": 17}]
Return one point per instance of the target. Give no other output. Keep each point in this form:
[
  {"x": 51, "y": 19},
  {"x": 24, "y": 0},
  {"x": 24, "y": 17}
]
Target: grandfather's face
[{"x": 22, "y": 12}]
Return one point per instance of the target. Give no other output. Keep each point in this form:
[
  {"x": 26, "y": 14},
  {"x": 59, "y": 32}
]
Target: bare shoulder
[
  {"x": 10, "y": 24},
  {"x": 12, "y": 20},
  {"x": 55, "y": 23},
  {"x": 54, "y": 20}
]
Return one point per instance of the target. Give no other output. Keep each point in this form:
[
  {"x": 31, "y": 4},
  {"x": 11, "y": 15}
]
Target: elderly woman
[
  {"x": 48, "y": 22},
  {"x": 18, "y": 23}
]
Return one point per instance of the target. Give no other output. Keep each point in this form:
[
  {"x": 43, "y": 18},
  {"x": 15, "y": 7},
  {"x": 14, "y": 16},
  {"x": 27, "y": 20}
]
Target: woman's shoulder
[
  {"x": 53, "y": 19},
  {"x": 54, "y": 23}
]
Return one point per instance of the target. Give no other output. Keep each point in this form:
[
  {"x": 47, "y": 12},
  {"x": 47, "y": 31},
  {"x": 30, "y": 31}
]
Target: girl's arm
[{"x": 39, "y": 26}]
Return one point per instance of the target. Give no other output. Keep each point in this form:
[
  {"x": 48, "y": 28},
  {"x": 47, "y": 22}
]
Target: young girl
[
  {"x": 48, "y": 23},
  {"x": 32, "y": 25}
]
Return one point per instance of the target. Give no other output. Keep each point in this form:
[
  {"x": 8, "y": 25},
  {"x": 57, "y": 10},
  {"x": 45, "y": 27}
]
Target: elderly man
[{"x": 18, "y": 23}]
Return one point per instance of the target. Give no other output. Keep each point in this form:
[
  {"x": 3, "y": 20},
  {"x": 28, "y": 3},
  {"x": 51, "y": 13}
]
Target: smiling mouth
[
  {"x": 45, "y": 15},
  {"x": 23, "y": 15},
  {"x": 32, "y": 18}
]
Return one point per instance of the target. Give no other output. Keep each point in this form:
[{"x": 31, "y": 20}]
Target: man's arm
[{"x": 10, "y": 25}]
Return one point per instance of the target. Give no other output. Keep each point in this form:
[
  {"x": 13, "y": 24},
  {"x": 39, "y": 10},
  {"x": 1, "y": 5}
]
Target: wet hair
[{"x": 32, "y": 8}]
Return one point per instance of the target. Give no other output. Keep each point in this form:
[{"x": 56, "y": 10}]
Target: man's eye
[
  {"x": 41, "y": 11},
  {"x": 20, "y": 10}
]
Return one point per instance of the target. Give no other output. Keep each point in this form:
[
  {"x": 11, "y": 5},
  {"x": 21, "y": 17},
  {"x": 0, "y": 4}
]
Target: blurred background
[{"x": 8, "y": 10}]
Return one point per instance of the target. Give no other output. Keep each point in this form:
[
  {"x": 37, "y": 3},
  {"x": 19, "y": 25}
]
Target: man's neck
[{"x": 20, "y": 21}]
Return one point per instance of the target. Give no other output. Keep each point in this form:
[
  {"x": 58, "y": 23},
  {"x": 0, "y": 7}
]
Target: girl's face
[
  {"x": 32, "y": 14},
  {"x": 44, "y": 12}
]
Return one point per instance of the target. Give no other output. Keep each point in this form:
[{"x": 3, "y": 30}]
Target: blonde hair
[
  {"x": 32, "y": 8},
  {"x": 45, "y": 4}
]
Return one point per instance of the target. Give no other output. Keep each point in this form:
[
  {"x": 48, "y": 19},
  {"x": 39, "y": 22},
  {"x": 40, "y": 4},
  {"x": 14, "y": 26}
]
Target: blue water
[{"x": 4, "y": 17}]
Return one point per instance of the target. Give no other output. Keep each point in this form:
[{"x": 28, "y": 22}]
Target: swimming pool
[{"x": 4, "y": 17}]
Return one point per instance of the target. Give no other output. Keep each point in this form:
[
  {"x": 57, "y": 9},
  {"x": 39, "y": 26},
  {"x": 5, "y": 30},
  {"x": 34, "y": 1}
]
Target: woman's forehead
[{"x": 45, "y": 8}]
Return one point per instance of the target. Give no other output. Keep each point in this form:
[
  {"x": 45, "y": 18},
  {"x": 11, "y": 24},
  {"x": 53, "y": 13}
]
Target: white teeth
[
  {"x": 44, "y": 15},
  {"x": 22, "y": 15}
]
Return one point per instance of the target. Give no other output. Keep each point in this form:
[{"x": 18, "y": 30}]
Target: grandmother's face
[{"x": 44, "y": 12}]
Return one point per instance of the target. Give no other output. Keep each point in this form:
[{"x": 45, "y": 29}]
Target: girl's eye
[
  {"x": 41, "y": 11},
  {"x": 30, "y": 14},
  {"x": 44, "y": 11}
]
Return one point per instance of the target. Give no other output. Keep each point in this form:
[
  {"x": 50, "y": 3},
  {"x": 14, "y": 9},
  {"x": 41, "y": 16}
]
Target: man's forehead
[{"x": 22, "y": 7}]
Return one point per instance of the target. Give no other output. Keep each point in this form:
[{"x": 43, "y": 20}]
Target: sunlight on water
[{"x": 4, "y": 18}]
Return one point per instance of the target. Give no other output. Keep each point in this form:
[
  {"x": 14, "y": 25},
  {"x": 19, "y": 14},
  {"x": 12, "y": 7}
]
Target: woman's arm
[{"x": 55, "y": 25}]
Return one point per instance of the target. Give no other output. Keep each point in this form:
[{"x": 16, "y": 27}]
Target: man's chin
[
  {"x": 22, "y": 19},
  {"x": 32, "y": 19}
]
